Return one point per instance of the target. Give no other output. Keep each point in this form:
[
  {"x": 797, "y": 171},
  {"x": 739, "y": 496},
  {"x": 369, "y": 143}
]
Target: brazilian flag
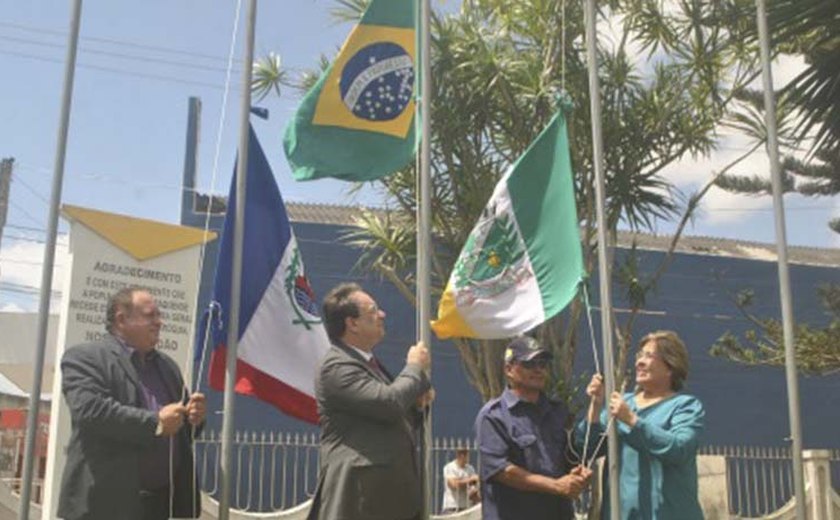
[{"x": 357, "y": 122}]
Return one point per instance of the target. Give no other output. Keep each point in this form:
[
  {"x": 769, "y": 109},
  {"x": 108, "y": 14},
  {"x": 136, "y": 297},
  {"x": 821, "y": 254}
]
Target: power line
[
  {"x": 168, "y": 50},
  {"x": 25, "y": 262},
  {"x": 26, "y": 228},
  {"x": 33, "y": 191},
  {"x": 25, "y": 213},
  {"x": 62, "y": 236},
  {"x": 18, "y": 238},
  {"x": 114, "y": 70},
  {"x": 24, "y": 289},
  {"x": 128, "y": 44},
  {"x": 146, "y": 59},
  {"x": 126, "y": 181},
  {"x": 40, "y": 170},
  {"x": 121, "y": 55},
  {"x": 24, "y": 239},
  {"x": 99, "y": 177},
  {"x": 787, "y": 209}
]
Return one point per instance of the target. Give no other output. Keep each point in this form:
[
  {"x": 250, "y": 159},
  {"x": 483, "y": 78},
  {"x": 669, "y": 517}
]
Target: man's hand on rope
[
  {"x": 196, "y": 409},
  {"x": 573, "y": 484},
  {"x": 426, "y": 399}
]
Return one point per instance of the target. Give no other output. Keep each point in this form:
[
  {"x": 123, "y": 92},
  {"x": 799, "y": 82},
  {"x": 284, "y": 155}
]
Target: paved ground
[{"x": 7, "y": 514}]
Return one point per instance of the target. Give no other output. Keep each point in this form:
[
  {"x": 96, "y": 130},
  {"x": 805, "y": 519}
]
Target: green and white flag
[{"x": 522, "y": 262}]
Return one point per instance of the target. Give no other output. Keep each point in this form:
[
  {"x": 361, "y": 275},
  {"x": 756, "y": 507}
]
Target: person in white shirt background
[{"x": 461, "y": 483}]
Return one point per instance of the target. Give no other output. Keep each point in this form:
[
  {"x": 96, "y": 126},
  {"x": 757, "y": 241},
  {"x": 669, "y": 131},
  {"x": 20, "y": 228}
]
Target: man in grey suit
[
  {"x": 369, "y": 467},
  {"x": 129, "y": 455}
]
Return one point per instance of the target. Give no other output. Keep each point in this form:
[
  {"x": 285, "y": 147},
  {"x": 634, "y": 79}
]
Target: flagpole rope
[
  {"x": 188, "y": 369},
  {"x": 212, "y": 309},
  {"x": 207, "y": 212},
  {"x": 588, "y": 433},
  {"x": 172, "y": 476},
  {"x": 591, "y": 328},
  {"x": 600, "y": 443},
  {"x": 597, "y": 365},
  {"x": 603, "y": 436},
  {"x": 563, "y": 45},
  {"x": 197, "y": 386}
]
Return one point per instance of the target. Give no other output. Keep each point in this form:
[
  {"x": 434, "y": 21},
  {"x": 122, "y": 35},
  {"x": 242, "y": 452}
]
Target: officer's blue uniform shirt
[{"x": 531, "y": 436}]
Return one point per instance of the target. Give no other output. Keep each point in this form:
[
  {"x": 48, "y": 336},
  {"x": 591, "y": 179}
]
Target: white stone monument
[{"x": 109, "y": 252}]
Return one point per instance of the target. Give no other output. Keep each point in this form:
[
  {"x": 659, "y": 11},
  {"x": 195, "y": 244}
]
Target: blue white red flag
[{"x": 281, "y": 337}]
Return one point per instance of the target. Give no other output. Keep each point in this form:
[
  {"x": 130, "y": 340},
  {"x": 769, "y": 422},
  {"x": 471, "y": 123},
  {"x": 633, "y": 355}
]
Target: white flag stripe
[
  {"x": 518, "y": 308},
  {"x": 274, "y": 345}
]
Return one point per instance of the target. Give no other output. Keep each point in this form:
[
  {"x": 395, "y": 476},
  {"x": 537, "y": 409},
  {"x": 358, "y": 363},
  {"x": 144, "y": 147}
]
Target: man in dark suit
[
  {"x": 369, "y": 469},
  {"x": 130, "y": 456}
]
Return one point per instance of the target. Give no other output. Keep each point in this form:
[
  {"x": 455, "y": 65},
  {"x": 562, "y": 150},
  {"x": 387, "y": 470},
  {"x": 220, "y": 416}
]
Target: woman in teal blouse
[{"x": 658, "y": 429}]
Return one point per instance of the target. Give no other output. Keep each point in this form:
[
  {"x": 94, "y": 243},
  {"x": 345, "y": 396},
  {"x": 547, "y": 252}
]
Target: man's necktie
[{"x": 374, "y": 365}]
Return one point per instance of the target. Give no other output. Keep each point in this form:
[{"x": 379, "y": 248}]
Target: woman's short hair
[{"x": 671, "y": 349}]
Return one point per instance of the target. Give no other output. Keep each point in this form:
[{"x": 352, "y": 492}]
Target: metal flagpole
[
  {"x": 604, "y": 280},
  {"x": 424, "y": 233},
  {"x": 236, "y": 267},
  {"x": 49, "y": 261},
  {"x": 781, "y": 249}
]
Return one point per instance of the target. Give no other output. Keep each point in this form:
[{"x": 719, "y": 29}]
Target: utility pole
[
  {"x": 5, "y": 182},
  {"x": 188, "y": 183}
]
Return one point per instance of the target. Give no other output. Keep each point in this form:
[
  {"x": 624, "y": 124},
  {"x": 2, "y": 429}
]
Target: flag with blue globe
[
  {"x": 357, "y": 122},
  {"x": 377, "y": 83}
]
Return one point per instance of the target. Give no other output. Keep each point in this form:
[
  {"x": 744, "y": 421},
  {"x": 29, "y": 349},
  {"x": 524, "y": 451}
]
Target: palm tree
[
  {"x": 810, "y": 28},
  {"x": 497, "y": 67}
]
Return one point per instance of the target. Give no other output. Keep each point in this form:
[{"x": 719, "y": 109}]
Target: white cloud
[
  {"x": 20, "y": 272},
  {"x": 691, "y": 174},
  {"x": 721, "y": 207},
  {"x": 784, "y": 69},
  {"x": 718, "y": 207},
  {"x": 12, "y": 307}
]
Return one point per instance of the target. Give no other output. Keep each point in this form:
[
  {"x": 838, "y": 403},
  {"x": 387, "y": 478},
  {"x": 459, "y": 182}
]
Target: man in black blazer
[
  {"x": 130, "y": 452},
  {"x": 369, "y": 469}
]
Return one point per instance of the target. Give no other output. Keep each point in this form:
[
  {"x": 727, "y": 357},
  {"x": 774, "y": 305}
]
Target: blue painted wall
[{"x": 745, "y": 405}]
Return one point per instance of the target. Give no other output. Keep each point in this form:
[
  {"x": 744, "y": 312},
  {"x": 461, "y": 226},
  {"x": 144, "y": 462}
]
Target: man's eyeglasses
[
  {"x": 534, "y": 363},
  {"x": 372, "y": 309}
]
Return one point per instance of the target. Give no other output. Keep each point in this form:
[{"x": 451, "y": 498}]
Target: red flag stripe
[{"x": 251, "y": 381}]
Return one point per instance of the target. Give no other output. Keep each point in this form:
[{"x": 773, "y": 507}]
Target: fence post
[{"x": 818, "y": 482}]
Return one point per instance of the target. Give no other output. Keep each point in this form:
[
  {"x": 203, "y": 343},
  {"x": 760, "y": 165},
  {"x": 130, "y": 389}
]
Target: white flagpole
[
  {"x": 604, "y": 280},
  {"x": 236, "y": 267},
  {"x": 781, "y": 251},
  {"x": 424, "y": 232},
  {"x": 49, "y": 262}
]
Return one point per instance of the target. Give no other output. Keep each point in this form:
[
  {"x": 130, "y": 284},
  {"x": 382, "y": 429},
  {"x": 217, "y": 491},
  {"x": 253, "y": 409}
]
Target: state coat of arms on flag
[
  {"x": 281, "y": 337},
  {"x": 522, "y": 262}
]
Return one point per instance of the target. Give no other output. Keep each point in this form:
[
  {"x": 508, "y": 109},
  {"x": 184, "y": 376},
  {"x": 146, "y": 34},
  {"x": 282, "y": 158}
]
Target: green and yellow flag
[
  {"x": 357, "y": 122},
  {"x": 523, "y": 261}
]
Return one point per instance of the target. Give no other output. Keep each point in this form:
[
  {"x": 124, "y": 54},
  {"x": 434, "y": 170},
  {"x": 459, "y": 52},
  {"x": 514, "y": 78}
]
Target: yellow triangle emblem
[{"x": 141, "y": 238}]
